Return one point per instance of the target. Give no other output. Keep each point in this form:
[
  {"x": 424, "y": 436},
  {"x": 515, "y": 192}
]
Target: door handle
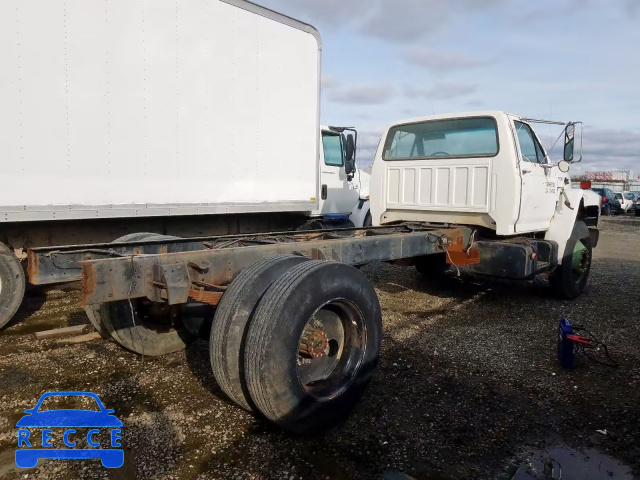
[{"x": 324, "y": 192}]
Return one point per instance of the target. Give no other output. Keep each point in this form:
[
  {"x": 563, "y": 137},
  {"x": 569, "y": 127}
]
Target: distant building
[
  {"x": 611, "y": 176},
  {"x": 616, "y": 180}
]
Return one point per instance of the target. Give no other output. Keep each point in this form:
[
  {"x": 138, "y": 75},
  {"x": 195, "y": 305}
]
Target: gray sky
[{"x": 386, "y": 60}]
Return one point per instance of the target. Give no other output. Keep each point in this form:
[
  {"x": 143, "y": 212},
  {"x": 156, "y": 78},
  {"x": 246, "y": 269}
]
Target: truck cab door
[
  {"x": 540, "y": 193},
  {"x": 338, "y": 194}
]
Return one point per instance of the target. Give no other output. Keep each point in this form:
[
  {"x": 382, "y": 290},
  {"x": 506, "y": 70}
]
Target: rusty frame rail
[
  {"x": 173, "y": 277},
  {"x": 49, "y": 265}
]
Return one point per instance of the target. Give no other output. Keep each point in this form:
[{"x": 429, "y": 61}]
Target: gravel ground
[{"x": 468, "y": 386}]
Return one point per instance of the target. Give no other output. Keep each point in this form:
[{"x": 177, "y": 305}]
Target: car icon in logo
[{"x": 27, "y": 455}]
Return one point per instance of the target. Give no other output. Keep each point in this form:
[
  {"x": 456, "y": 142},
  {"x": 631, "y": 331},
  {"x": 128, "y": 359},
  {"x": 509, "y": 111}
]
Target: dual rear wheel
[{"x": 297, "y": 341}]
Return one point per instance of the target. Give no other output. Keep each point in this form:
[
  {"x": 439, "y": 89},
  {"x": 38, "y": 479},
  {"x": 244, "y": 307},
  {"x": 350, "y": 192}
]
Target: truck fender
[
  {"x": 590, "y": 198},
  {"x": 565, "y": 218},
  {"x": 360, "y": 212}
]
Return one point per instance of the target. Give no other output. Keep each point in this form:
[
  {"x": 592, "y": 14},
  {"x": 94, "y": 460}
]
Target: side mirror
[
  {"x": 569, "y": 142},
  {"x": 350, "y": 160},
  {"x": 564, "y": 166}
]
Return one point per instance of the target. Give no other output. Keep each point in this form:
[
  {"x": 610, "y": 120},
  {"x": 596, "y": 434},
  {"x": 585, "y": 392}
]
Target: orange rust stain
[
  {"x": 88, "y": 281},
  {"x": 32, "y": 267}
]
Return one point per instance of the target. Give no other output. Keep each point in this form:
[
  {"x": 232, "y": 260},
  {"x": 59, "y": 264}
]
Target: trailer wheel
[
  {"x": 141, "y": 326},
  {"x": 12, "y": 284},
  {"x": 231, "y": 321},
  {"x": 313, "y": 345},
  {"x": 95, "y": 313},
  {"x": 432, "y": 265},
  {"x": 570, "y": 278}
]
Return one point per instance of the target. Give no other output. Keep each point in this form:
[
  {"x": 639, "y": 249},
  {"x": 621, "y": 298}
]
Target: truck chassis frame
[{"x": 173, "y": 271}]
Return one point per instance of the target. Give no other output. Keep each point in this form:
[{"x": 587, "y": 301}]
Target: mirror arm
[{"x": 581, "y": 139}]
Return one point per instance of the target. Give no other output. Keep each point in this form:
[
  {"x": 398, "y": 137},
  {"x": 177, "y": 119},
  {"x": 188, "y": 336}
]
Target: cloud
[
  {"x": 442, "y": 90},
  {"x": 632, "y": 7},
  {"x": 368, "y": 141},
  {"x": 611, "y": 150},
  {"x": 440, "y": 60},
  {"x": 328, "y": 82},
  {"x": 405, "y": 21},
  {"x": 411, "y": 20},
  {"x": 365, "y": 94}
]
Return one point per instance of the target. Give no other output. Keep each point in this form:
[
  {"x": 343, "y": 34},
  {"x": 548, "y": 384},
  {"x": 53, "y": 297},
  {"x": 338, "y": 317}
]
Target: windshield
[
  {"x": 619, "y": 196},
  {"x": 629, "y": 196},
  {"x": 463, "y": 137}
]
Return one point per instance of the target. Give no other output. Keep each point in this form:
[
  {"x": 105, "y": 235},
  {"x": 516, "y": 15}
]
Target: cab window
[
  {"x": 439, "y": 139},
  {"x": 333, "y": 150},
  {"x": 529, "y": 146}
]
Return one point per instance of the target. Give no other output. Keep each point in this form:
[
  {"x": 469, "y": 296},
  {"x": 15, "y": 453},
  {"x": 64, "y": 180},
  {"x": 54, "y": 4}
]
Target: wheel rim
[
  {"x": 331, "y": 349},
  {"x": 580, "y": 262}
]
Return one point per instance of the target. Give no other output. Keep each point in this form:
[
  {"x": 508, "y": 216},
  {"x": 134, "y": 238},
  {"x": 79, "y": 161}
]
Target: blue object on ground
[{"x": 565, "y": 346}]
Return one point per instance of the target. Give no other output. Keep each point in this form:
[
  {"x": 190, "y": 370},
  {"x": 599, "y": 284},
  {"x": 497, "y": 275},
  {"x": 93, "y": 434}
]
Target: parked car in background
[
  {"x": 609, "y": 203},
  {"x": 636, "y": 203},
  {"x": 626, "y": 201}
]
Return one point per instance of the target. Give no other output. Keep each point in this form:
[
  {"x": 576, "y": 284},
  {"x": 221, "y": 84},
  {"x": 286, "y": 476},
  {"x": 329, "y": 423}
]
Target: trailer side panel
[{"x": 135, "y": 108}]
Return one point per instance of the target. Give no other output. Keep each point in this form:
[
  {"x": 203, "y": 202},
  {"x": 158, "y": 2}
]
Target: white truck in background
[{"x": 132, "y": 120}]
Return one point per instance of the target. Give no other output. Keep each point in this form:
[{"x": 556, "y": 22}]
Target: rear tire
[
  {"x": 231, "y": 322},
  {"x": 606, "y": 210},
  {"x": 153, "y": 331},
  {"x": 570, "y": 278},
  {"x": 12, "y": 284},
  {"x": 313, "y": 345}
]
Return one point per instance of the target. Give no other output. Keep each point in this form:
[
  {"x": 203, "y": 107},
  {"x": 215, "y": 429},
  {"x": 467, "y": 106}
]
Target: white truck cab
[
  {"x": 343, "y": 188},
  {"x": 482, "y": 169}
]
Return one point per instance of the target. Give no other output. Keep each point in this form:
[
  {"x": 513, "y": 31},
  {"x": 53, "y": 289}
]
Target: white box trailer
[
  {"x": 128, "y": 119},
  {"x": 133, "y": 108}
]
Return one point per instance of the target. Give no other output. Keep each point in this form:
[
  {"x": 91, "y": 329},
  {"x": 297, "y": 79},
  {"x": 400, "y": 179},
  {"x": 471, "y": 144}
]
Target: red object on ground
[{"x": 580, "y": 339}]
